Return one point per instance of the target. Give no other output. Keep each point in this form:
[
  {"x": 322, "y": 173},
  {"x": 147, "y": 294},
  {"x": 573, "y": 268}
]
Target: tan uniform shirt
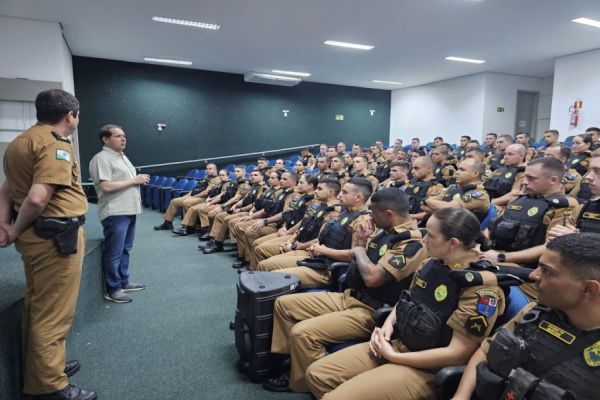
[
  {"x": 109, "y": 165},
  {"x": 476, "y": 200},
  {"x": 572, "y": 182},
  {"x": 40, "y": 156}
]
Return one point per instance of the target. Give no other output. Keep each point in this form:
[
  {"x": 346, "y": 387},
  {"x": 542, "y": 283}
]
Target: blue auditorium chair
[
  {"x": 166, "y": 194},
  {"x": 489, "y": 216},
  {"x": 148, "y": 190},
  {"x": 230, "y": 167},
  {"x": 250, "y": 167},
  {"x": 295, "y": 158},
  {"x": 201, "y": 174},
  {"x": 145, "y": 187},
  {"x": 155, "y": 192}
]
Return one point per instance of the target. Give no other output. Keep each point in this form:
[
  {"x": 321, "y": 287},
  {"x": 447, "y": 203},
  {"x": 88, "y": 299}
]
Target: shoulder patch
[
  {"x": 397, "y": 261},
  {"x": 476, "y": 326},
  {"x": 63, "y": 155},
  {"x": 475, "y": 194},
  {"x": 487, "y": 303},
  {"x": 412, "y": 248},
  {"x": 591, "y": 355}
]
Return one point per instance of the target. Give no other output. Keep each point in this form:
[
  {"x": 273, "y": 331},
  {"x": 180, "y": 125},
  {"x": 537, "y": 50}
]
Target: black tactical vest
[
  {"x": 265, "y": 199},
  {"x": 438, "y": 173},
  {"x": 377, "y": 297},
  {"x": 588, "y": 219},
  {"x": 231, "y": 190},
  {"x": 251, "y": 195},
  {"x": 547, "y": 333},
  {"x": 585, "y": 192},
  {"x": 275, "y": 206},
  {"x": 201, "y": 185},
  {"x": 296, "y": 211},
  {"x": 522, "y": 224},
  {"x": 416, "y": 190},
  {"x": 497, "y": 161},
  {"x": 217, "y": 189},
  {"x": 501, "y": 181},
  {"x": 312, "y": 222},
  {"x": 382, "y": 172},
  {"x": 574, "y": 162},
  {"x": 337, "y": 234},
  {"x": 454, "y": 190}
]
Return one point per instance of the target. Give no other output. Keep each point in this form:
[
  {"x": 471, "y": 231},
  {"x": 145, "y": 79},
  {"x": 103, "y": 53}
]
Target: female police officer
[{"x": 400, "y": 360}]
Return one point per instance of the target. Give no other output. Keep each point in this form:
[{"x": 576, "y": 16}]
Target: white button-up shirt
[{"x": 109, "y": 165}]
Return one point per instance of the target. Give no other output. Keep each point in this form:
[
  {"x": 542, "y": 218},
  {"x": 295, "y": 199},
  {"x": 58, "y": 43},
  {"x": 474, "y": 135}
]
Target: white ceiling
[{"x": 411, "y": 37}]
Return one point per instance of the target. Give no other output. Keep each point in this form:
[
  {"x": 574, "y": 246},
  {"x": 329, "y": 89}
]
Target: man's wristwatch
[
  {"x": 294, "y": 246},
  {"x": 501, "y": 257},
  {"x": 266, "y": 221}
]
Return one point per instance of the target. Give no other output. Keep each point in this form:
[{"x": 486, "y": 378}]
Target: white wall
[
  {"x": 466, "y": 105},
  {"x": 501, "y": 91},
  {"x": 448, "y": 108},
  {"x": 576, "y": 77}
]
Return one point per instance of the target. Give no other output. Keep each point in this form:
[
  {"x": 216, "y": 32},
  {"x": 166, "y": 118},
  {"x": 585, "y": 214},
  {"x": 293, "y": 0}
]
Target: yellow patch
[
  {"x": 591, "y": 215},
  {"x": 416, "y": 190},
  {"x": 557, "y": 332},
  {"x": 575, "y": 161},
  {"x": 344, "y": 221},
  {"x": 591, "y": 355},
  {"x": 514, "y": 207},
  {"x": 420, "y": 283},
  {"x": 456, "y": 196},
  {"x": 320, "y": 214},
  {"x": 440, "y": 293},
  {"x": 383, "y": 249},
  {"x": 508, "y": 175},
  {"x": 532, "y": 211}
]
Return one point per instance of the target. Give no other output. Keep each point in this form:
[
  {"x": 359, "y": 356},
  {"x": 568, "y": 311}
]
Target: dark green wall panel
[{"x": 212, "y": 114}]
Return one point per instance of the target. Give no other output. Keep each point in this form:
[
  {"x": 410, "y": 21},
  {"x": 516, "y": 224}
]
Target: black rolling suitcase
[{"x": 253, "y": 324}]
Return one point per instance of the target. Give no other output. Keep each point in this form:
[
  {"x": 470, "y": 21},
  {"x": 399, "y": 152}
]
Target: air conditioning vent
[{"x": 270, "y": 79}]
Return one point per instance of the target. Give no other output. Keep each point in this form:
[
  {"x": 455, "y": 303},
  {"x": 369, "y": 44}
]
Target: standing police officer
[{"x": 47, "y": 203}]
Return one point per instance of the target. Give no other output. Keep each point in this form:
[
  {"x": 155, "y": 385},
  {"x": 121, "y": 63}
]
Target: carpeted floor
[{"x": 173, "y": 340}]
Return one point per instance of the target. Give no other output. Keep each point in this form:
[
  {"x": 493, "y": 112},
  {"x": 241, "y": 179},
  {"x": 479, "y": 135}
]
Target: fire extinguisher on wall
[{"x": 574, "y": 110}]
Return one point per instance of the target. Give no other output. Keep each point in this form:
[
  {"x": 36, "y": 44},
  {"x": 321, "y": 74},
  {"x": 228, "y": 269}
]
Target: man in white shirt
[{"x": 119, "y": 202}]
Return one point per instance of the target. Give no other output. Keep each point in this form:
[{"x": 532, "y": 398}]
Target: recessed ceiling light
[
  {"x": 387, "y": 82},
  {"x": 587, "y": 21},
  {"x": 167, "y": 61},
  {"x": 277, "y": 77},
  {"x": 184, "y": 22},
  {"x": 292, "y": 73},
  {"x": 348, "y": 45},
  {"x": 466, "y": 60}
]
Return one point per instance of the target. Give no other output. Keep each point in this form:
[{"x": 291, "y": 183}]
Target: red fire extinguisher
[{"x": 574, "y": 116}]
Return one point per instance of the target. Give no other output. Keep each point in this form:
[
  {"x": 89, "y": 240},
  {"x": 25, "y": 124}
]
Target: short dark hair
[
  {"x": 400, "y": 163},
  {"x": 521, "y": 133},
  {"x": 54, "y": 104},
  {"x": 565, "y": 152},
  {"x": 391, "y": 199},
  {"x": 331, "y": 183},
  {"x": 550, "y": 166},
  {"x": 508, "y": 138},
  {"x": 262, "y": 159},
  {"x": 363, "y": 185},
  {"x": 106, "y": 132},
  {"x": 466, "y": 137},
  {"x": 293, "y": 175},
  {"x": 477, "y": 150},
  {"x": 438, "y": 137},
  {"x": 420, "y": 152},
  {"x": 593, "y": 129},
  {"x": 493, "y": 134},
  {"x": 579, "y": 253},
  {"x": 553, "y": 131},
  {"x": 586, "y": 137}
]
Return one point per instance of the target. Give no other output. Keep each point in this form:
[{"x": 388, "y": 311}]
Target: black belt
[{"x": 365, "y": 298}]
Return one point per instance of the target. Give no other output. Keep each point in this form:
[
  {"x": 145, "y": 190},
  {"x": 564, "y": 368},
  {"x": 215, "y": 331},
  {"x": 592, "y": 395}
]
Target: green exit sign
[
  {"x": 500, "y": 109},
  {"x": 339, "y": 117}
]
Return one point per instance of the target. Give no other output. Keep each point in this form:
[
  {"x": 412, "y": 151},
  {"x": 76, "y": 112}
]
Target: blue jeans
[{"x": 119, "y": 231}]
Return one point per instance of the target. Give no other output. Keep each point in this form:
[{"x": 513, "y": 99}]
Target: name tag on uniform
[
  {"x": 557, "y": 332},
  {"x": 63, "y": 155},
  {"x": 591, "y": 215},
  {"x": 514, "y": 207}
]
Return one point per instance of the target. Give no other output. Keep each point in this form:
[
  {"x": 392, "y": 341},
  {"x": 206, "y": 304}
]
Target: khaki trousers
[
  {"x": 237, "y": 232},
  {"x": 353, "y": 373},
  {"x": 286, "y": 264},
  {"x": 304, "y": 323},
  {"x": 250, "y": 236},
  {"x": 52, "y": 287},
  {"x": 265, "y": 247},
  {"x": 232, "y": 222},
  {"x": 204, "y": 214},
  {"x": 220, "y": 226},
  {"x": 184, "y": 202}
]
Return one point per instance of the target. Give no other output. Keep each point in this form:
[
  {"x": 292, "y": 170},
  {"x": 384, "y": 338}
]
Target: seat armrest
[{"x": 447, "y": 379}]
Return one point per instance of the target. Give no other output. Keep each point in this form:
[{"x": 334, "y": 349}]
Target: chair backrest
[
  {"x": 201, "y": 174},
  {"x": 295, "y": 158},
  {"x": 192, "y": 173},
  {"x": 272, "y": 163},
  {"x": 160, "y": 180},
  {"x": 489, "y": 215},
  {"x": 190, "y": 185},
  {"x": 169, "y": 182},
  {"x": 515, "y": 302},
  {"x": 181, "y": 183},
  {"x": 153, "y": 179},
  {"x": 230, "y": 167},
  {"x": 250, "y": 168}
]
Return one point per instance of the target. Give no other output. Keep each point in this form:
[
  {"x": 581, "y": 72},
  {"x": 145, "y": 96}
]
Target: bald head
[
  {"x": 470, "y": 170},
  {"x": 514, "y": 155},
  {"x": 422, "y": 168}
]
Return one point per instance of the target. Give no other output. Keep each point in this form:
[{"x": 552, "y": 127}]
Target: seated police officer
[
  {"x": 523, "y": 138},
  {"x": 442, "y": 169},
  {"x": 421, "y": 186},
  {"x": 467, "y": 192},
  {"x": 382, "y": 267},
  {"x": 571, "y": 180},
  {"x": 398, "y": 175},
  {"x": 551, "y": 139},
  {"x": 504, "y": 185},
  {"x": 441, "y": 320},
  {"x": 550, "y": 350},
  {"x": 496, "y": 159}
]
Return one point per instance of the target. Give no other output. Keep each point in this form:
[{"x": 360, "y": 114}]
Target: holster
[
  {"x": 317, "y": 263},
  {"x": 521, "y": 384},
  {"x": 489, "y": 384},
  {"x": 419, "y": 327},
  {"x": 547, "y": 391},
  {"x": 64, "y": 232}
]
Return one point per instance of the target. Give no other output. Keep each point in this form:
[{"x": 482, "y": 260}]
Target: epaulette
[{"x": 558, "y": 201}]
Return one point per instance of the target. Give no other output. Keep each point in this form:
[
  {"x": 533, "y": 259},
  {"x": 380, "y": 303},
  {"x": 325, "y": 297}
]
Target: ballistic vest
[
  {"x": 265, "y": 199},
  {"x": 575, "y": 160},
  {"x": 501, "y": 181},
  {"x": 382, "y": 172},
  {"x": 217, "y": 189},
  {"x": 201, "y": 185},
  {"x": 337, "y": 233},
  {"x": 548, "y": 333},
  {"x": 296, "y": 211},
  {"x": 454, "y": 190},
  {"x": 585, "y": 192},
  {"x": 312, "y": 222},
  {"x": 496, "y": 161},
  {"x": 252, "y": 195},
  {"x": 388, "y": 293},
  {"x": 522, "y": 224},
  {"x": 416, "y": 190},
  {"x": 438, "y": 173},
  {"x": 588, "y": 219},
  {"x": 231, "y": 190},
  {"x": 277, "y": 202}
]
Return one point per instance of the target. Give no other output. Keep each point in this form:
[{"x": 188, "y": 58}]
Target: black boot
[
  {"x": 206, "y": 245},
  {"x": 240, "y": 263},
  {"x": 181, "y": 231},
  {"x": 216, "y": 248},
  {"x": 165, "y": 226},
  {"x": 204, "y": 236},
  {"x": 69, "y": 393},
  {"x": 71, "y": 368}
]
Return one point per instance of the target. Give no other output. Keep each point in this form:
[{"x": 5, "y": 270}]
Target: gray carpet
[{"x": 173, "y": 341}]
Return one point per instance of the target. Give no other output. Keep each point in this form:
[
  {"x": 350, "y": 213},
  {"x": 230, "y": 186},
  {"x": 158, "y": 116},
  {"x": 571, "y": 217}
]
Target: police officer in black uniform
[{"x": 550, "y": 350}]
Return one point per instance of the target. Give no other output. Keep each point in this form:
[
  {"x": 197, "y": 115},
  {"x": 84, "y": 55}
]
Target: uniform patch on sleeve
[
  {"x": 476, "y": 195},
  {"x": 487, "y": 304},
  {"x": 63, "y": 155},
  {"x": 476, "y": 326},
  {"x": 398, "y": 261}
]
